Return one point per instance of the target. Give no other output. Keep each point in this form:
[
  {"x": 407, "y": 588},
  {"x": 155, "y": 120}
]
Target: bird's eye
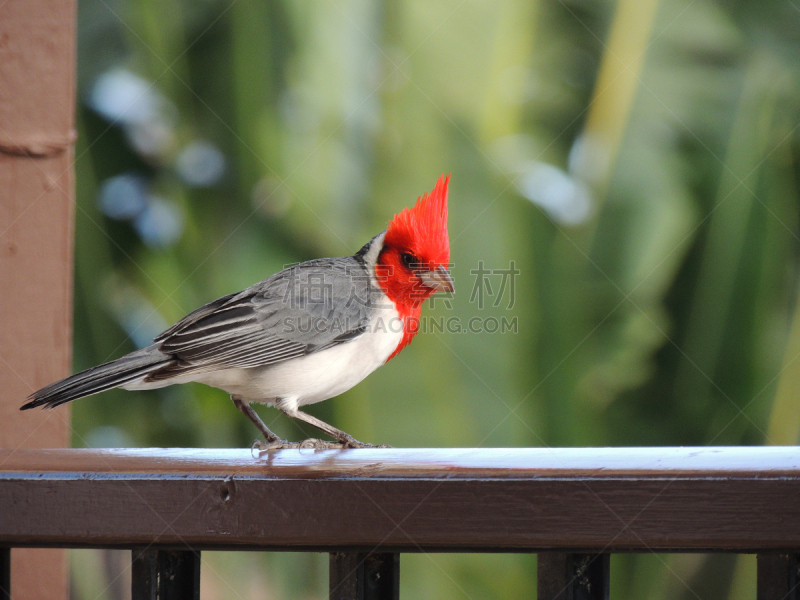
[{"x": 409, "y": 259}]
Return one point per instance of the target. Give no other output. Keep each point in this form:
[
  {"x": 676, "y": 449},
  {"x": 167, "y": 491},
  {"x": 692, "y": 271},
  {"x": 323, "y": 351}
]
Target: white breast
[
  {"x": 328, "y": 373},
  {"x": 318, "y": 376}
]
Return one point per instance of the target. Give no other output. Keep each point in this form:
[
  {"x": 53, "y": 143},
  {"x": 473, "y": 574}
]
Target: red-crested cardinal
[{"x": 303, "y": 335}]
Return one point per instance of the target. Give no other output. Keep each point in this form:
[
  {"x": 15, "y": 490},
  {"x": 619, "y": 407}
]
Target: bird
[{"x": 303, "y": 335}]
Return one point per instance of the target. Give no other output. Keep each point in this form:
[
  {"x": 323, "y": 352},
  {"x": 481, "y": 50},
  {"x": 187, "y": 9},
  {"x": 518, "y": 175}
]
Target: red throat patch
[{"x": 421, "y": 232}]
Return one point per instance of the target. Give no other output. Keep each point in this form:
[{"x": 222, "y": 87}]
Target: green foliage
[{"x": 637, "y": 161}]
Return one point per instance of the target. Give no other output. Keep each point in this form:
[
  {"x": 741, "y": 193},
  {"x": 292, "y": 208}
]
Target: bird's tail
[{"x": 103, "y": 377}]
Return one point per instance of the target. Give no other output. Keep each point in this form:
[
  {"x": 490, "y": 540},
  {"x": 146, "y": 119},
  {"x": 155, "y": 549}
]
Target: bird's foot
[
  {"x": 320, "y": 444},
  {"x": 354, "y": 443},
  {"x": 262, "y": 446},
  {"x": 310, "y": 443}
]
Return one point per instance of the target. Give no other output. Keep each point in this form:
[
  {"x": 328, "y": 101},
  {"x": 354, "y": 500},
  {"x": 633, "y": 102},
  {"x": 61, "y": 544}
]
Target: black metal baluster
[
  {"x": 165, "y": 575},
  {"x": 144, "y": 574},
  {"x": 778, "y": 577},
  {"x": 361, "y": 576},
  {"x": 5, "y": 573},
  {"x": 573, "y": 576}
]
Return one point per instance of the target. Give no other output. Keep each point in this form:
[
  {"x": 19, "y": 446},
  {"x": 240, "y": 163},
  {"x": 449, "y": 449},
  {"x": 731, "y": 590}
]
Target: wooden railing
[{"x": 365, "y": 507}]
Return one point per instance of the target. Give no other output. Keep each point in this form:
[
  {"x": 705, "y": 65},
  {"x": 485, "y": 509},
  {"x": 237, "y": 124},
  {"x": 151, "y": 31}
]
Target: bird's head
[{"x": 416, "y": 250}]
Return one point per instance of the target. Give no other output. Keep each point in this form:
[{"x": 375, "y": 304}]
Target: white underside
[{"x": 308, "y": 379}]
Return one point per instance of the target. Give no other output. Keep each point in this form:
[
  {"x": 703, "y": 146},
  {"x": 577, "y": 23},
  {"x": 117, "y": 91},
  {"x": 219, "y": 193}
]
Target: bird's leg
[
  {"x": 347, "y": 440},
  {"x": 243, "y": 406}
]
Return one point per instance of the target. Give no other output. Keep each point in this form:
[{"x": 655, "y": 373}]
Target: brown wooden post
[{"x": 37, "y": 74}]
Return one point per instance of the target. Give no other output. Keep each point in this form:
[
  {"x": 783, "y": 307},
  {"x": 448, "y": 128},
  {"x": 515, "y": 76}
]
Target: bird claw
[
  {"x": 318, "y": 444},
  {"x": 353, "y": 443},
  {"x": 311, "y": 444},
  {"x": 308, "y": 444},
  {"x": 262, "y": 446}
]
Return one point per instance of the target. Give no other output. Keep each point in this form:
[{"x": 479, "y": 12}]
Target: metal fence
[{"x": 365, "y": 507}]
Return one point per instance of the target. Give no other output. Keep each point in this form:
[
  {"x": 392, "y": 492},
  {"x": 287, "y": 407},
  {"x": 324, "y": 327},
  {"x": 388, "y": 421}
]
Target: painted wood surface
[{"x": 37, "y": 106}]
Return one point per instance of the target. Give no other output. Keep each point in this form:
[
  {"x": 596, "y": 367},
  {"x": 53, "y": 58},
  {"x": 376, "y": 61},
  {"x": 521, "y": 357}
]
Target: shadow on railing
[{"x": 365, "y": 507}]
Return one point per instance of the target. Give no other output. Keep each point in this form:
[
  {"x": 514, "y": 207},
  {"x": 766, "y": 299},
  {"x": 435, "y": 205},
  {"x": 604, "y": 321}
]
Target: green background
[{"x": 636, "y": 161}]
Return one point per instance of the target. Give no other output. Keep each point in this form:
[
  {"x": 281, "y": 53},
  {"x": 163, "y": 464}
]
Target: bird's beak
[{"x": 438, "y": 279}]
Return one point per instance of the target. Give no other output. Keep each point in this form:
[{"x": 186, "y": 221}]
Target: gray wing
[{"x": 300, "y": 310}]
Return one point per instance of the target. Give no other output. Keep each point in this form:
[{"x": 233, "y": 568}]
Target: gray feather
[
  {"x": 303, "y": 309},
  {"x": 103, "y": 377}
]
